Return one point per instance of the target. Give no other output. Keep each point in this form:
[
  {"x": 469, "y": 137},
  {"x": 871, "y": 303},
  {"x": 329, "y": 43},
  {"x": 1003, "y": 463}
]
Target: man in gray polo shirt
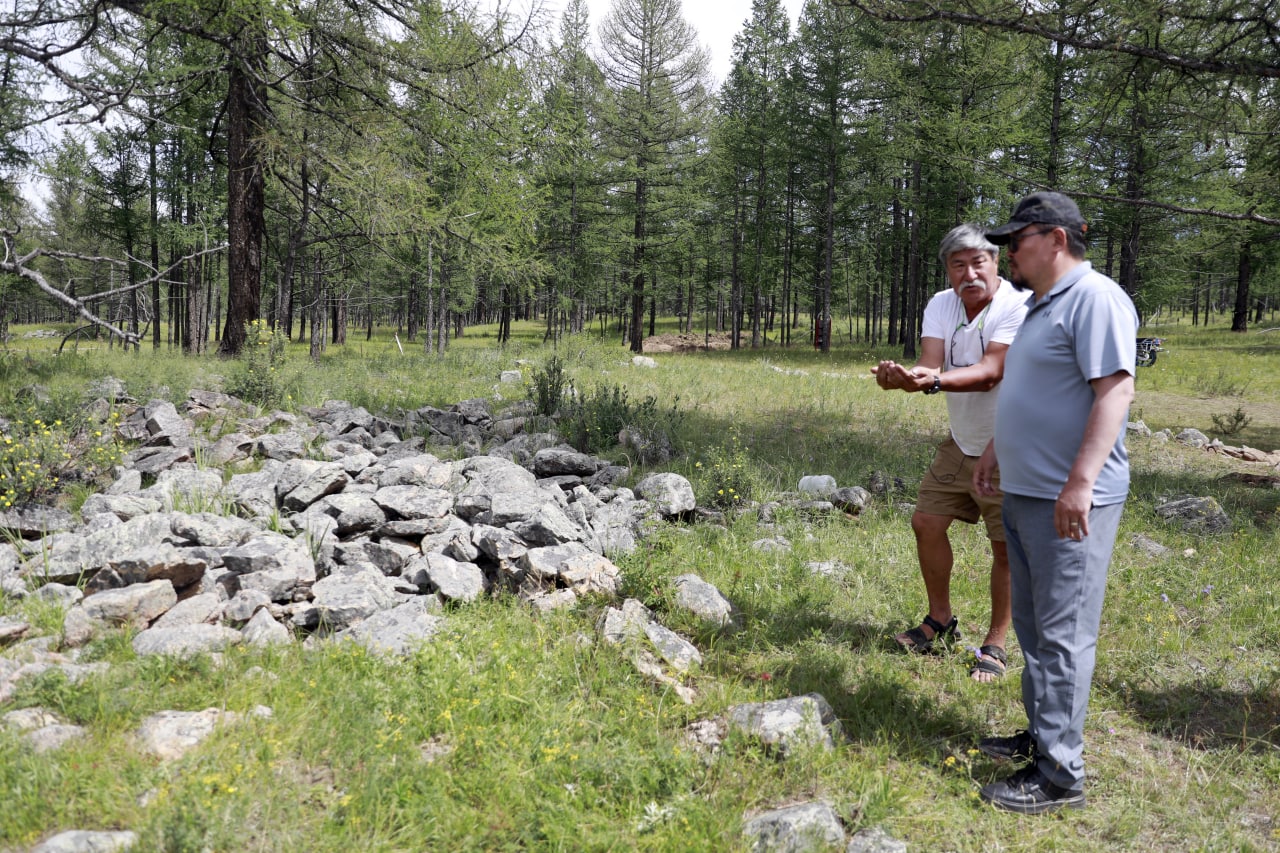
[{"x": 1059, "y": 448}]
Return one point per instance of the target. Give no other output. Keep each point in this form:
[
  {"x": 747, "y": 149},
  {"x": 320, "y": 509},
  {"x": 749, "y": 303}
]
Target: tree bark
[
  {"x": 637, "y": 273},
  {"x": 246, "y": 193},
  {"x": 1240, "y": 316}
]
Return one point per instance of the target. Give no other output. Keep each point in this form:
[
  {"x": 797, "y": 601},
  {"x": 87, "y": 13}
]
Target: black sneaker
[
  {"x": 1030, "y": 792},
  {"x": 1020, "y": 747}
]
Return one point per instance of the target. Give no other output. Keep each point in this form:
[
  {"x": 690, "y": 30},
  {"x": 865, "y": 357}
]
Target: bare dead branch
[{"x": 19, "y": 265}]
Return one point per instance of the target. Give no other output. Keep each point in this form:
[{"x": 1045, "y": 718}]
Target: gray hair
[{"x": 966, "y": 236}]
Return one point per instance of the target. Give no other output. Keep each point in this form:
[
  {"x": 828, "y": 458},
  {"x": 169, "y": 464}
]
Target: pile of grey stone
[{"x": 335, "y": 525}]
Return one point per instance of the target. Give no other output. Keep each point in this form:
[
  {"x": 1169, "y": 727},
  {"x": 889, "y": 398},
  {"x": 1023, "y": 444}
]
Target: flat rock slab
[
  {"x": 808, "y": 826},
  {"x": 49, "y": 738},
  {"x": 185, "y": 641},
  {"x": 398, "y": 631},
  {"x": 875, "y": 840},
  {"x": 169, "y": 735},
  {"x": 139, "y": 603},
  {"x": 84, "y": 841},
  {"x": 788, "y": 723},
  {"x": 11, "y": 629},
  {"x": 703, "y": 600}
]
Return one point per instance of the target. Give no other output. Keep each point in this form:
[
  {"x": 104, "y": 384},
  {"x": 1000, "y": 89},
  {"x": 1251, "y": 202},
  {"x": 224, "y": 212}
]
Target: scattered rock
[
  {"x": 12, "y": 629},
  {"x": 397, "y": 631},
  {"x": 1202, "y": 516},
  {"x": 1192, "y": 438},
  {"x": 875, "y": 840},
  {"x": 84, "y": 841},
  {"x": 703, "y": 600},
  {"x": 263, "y": 630},
  {"x": 772, "y": 545},
  {"x": 1149, "y": 546},
  {"x": 169, "y": 735},
  {"x": 42, "y": 730},
  {"x": 852, "y": 499},
  {"x": 786, "y": 724},
  {"x": 185, "y": 642},
  {"x": 823, "y": 485},
  {"x": 1138, "y": 428},
  {"x": 795, "y": 829},
  {"x": 670, "y": 494}
]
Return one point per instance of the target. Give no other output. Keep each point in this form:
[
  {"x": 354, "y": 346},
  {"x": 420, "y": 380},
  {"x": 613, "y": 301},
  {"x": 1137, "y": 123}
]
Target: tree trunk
[
  {"x": 153, "y": 236},
  {"x": 293, "y": 253},
  {"x": 1240, "y": 316},
  {"x": 914, "y": 285},
  {"x": 895, "y": 264},
  {"x": 341, "y": 306},
  {"x": 637, "y": 272},
  {"x": 1055, "y": 116},
  {"x": 246, "y": 196},
  {"x": 319, "y": 298},
  {"x": 412, "y": 302},
  {"x": 828, "y": 238}
]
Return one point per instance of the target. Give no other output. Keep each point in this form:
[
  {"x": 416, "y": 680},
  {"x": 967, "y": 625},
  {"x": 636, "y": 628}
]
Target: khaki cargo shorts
[{"x": 947, "y": 489}]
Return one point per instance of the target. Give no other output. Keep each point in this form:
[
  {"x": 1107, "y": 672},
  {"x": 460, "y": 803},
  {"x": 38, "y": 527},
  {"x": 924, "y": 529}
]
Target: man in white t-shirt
[{"x": 967, "y": 331}]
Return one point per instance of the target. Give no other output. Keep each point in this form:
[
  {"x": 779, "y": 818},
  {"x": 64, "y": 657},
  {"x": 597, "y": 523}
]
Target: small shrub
[
  {"x": 37, "y": 456},
  {"x": 1231, "y": 423},
  {"x": 593, "y": 420},
  {"x": 260, "y": 378},
  {"x": 549, "y": 385},
  {"x": 726, "y": 477}
]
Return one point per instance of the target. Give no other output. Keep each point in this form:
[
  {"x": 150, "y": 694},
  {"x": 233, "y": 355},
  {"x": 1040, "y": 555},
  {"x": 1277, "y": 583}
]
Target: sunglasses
[{"x": 1016, "y": 239}]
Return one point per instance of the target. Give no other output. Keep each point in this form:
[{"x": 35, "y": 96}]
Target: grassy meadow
[{"x": 512, "y": 731}]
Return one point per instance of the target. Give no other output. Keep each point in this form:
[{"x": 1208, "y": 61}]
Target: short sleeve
[
  {"x": 1009, "y": 312},
  {"x": 937, "y": 314},
  {"x": 1106, "y": 332}
]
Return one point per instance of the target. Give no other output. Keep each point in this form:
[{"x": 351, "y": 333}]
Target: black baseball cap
[{"x": 1040, "y": 209}]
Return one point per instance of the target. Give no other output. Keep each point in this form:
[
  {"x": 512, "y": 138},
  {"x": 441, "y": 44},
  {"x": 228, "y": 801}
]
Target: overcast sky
[{"x": 717, "y": 22}]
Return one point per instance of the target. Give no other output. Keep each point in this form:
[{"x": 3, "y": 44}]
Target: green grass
[{"x": 510, "y": 731}]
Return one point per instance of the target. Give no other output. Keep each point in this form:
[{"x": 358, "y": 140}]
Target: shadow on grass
[
  {"x": 1208, "y": 718},
  {"x": 1245, "y": 503},
  {"x": 877, "y": 692}
]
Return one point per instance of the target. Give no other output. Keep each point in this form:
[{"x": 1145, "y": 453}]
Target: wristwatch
[{"x": 936, "y": 386}]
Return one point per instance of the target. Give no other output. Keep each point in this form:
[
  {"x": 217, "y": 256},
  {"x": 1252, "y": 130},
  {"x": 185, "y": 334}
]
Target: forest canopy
[{"x": 331, "y": 165}]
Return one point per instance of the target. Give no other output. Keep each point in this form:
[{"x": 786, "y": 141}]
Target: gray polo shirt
[{"x": 1084, "y": 328}]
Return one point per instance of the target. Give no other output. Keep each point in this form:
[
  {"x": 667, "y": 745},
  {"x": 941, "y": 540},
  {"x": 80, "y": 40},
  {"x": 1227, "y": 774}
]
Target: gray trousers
[{"x": 1058, "y": 587}]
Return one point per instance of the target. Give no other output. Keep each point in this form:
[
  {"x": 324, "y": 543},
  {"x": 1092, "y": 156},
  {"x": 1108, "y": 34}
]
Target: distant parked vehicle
[{"x": 1147, "y": 349}]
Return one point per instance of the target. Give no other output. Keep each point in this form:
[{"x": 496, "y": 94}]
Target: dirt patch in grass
[
  {"x": 1176, "y": 412},
  {"x": 686, "y": 343}
]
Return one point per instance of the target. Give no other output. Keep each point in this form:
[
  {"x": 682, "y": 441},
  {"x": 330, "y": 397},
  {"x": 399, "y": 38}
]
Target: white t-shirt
[{"x": 973, "y": 413}]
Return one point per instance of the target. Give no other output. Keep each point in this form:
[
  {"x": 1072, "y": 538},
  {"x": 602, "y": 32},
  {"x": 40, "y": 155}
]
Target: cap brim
[{"x": 1001, "y": 235}]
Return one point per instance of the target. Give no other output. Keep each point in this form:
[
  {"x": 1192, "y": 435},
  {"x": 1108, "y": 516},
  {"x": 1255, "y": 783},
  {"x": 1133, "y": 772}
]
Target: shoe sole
[
  {"x": 992, "y": 752},
  {"x": 1075, "y": 802},
  {"x": 1002, "y": 756}
]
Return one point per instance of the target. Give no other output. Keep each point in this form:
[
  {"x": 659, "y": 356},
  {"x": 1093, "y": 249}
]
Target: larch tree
[
  {"x": 755, "y": 141},
  {"x": 571, "y": 167},
  {"x": 656, "y": 70}
]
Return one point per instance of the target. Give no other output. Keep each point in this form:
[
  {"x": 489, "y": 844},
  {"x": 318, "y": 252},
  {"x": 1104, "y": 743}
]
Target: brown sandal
[
  {"x": 915, "y": 640},
  {"x": 992, "y": 660}
]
